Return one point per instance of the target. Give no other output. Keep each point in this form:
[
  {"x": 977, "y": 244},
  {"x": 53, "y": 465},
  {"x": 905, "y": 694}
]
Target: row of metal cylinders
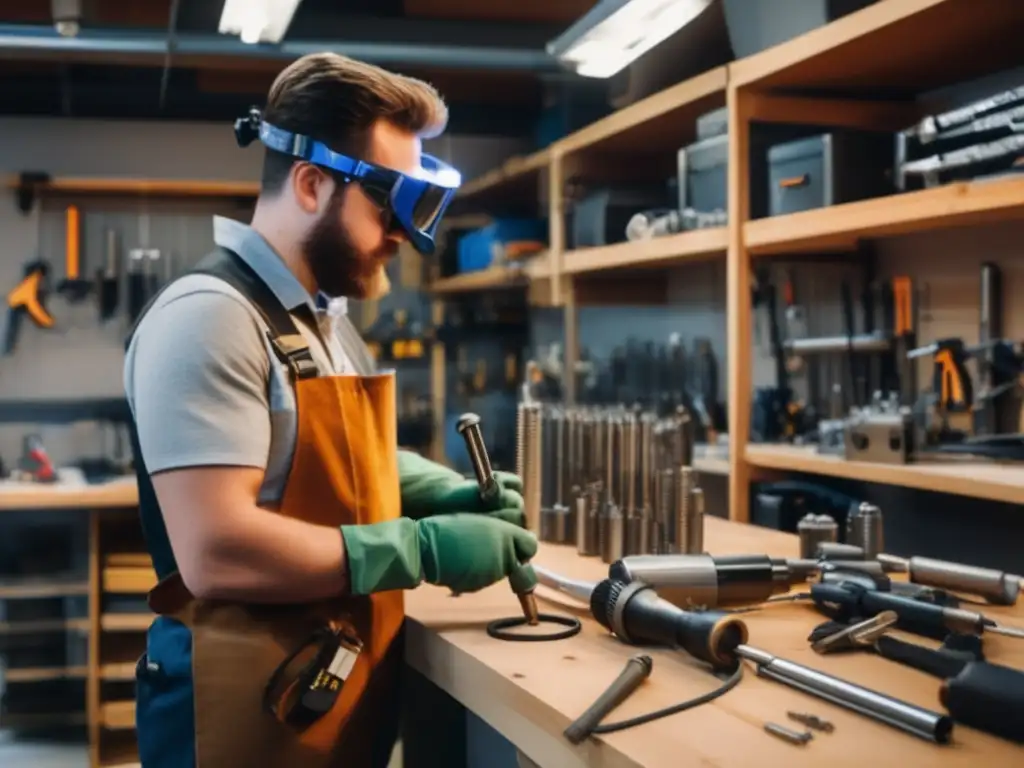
[{"x": 613, "y": 480}]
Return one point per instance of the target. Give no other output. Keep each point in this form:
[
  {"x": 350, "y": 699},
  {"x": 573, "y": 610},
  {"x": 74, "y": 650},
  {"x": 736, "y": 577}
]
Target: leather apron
[{"x": 344, "y": 471}]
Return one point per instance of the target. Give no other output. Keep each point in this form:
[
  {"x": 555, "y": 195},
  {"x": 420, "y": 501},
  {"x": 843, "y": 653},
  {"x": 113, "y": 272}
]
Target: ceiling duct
[{"x": 99, "y": 46}]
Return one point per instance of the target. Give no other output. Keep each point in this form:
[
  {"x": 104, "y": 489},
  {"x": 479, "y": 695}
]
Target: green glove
[
  {"x": 428, "y": 488},
  {"x": 465, "y": 552}
]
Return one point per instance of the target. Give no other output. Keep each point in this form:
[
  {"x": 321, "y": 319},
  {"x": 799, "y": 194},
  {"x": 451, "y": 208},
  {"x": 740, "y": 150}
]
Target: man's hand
[
  {"x": 430, "y": 489},
  {"x": 464, "y": 552}
]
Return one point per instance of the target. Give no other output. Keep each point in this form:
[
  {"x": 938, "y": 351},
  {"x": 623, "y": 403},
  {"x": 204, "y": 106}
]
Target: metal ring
[{"x": 498, "y": 628}]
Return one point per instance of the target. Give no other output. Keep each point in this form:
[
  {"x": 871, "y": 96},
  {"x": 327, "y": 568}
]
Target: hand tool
[
  {"x": 998, "y": 587},
  {"x": 637, "y": 670},
  {"x": 28, "y": 298},
  {"x": 35, "y": 464},
  {"x": 811, "y": 721},
  {"x": 986, "y": 696},
  {"x": 855, "y": 635},
  {"x": 490, "y": 491},
  {"x": 108, "y": 279},
  {"x": 711, "y": 580},
  {"x": 578, "y": 589},
  {"x": 788, "y": 734},
  {"x": 951, "y": 382},
  {"x": 845, "y": 600},
  {"x": 915, "y": 720},
  {"x": 637, "y": 615},
  {"x": 903, "y": 337},
  {"x": 73, "y": 286}
]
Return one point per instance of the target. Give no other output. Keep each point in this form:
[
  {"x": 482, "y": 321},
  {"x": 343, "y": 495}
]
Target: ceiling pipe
[{"x": 95, "y": 45}]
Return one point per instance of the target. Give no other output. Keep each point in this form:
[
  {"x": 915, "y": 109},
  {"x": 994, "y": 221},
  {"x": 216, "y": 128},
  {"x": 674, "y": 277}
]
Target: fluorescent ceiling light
[
  {"x": 257, "y": 21},
  {"x": 615, "y": 33}
]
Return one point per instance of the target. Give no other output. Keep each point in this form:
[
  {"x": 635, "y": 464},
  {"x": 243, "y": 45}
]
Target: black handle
[
  {"x": 933, "y": 662},
  {"x": 988, "y": 697},
  {"x": 925, "y": 619}
]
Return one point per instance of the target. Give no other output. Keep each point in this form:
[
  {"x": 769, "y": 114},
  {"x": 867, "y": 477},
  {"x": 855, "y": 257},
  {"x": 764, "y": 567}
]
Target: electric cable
[
  {"x": 727, "y": 685},
  {"x": 498, "y": 629}
]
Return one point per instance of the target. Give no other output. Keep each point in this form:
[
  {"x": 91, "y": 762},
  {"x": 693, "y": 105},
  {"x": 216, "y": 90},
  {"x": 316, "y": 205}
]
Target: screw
[
  {"x": 812, "y": 721},
  {"x": 786, "y": 734},
  {"x": 469, "y": 427}
]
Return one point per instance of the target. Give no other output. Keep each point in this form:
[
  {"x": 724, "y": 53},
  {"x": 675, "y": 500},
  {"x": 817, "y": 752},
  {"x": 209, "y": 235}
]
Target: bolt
[
  {"x": 469, "y": 427},
  {"x": 787, "y": 734}
]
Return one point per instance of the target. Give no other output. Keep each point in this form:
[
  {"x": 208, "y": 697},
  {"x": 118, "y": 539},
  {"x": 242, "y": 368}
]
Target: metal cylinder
[
  {"x": 814, "y": 530},
  {"x": 685, "y": 485},
  {"x": 864, "y": 530},
  {"x": 612, "y": 533},
  {"x": 556, "y": 525},
  {"x": 695, "y": 523},
  {"x": 521, "y": 440},
  {"x": 587, "y": 524},
  {"x": 666, "y": 482},
  {"x": 532, "y": 469},
  {"x": 907, "y": 717},
  {"x": 997, "y": 587}
]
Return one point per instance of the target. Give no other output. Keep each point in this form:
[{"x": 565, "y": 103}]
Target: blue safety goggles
[{"x": 413, "y": 203}]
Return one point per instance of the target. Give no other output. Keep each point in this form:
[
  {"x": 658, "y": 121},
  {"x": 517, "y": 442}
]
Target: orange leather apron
[{"x": 344, "y": 471}]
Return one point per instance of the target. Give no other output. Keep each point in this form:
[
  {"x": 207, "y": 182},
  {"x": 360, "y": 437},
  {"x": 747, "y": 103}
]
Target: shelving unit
[
  {"x": 927, "y": 44},
  {"x": 113, "y": 628}
]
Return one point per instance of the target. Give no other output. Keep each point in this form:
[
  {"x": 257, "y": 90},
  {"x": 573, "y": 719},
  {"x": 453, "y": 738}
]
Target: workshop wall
[{"x": 81, "y": 358}]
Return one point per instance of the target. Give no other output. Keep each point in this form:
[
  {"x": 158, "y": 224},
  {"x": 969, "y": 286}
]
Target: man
[{"x": 262, "y": 430}]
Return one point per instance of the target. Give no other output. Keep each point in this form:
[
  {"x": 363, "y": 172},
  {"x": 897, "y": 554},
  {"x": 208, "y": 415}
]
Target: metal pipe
[
  {"x": 865, "y": 342},
  {"x": 35, "y": 41},
  {"x": 915, "y": 720},
  {"x": 575, "y": 588}
]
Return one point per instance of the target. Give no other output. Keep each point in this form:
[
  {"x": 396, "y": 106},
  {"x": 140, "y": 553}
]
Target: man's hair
[{"x": 337, "y": 100}]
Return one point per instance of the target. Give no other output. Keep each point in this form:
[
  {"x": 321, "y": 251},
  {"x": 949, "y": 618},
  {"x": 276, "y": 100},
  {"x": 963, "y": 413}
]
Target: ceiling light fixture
[
  {"x": 257, "y": 21},
  {"x": 615, "y": 33}
]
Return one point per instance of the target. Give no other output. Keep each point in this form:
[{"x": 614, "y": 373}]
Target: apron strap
[{"x": 288, "y": 343}]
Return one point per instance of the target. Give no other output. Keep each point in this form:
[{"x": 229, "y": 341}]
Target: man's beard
[{"x": 337, "y": 266}]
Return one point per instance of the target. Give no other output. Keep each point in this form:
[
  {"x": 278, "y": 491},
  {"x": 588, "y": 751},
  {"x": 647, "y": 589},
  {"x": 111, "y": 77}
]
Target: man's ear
[{"x": 312, "y": 187}]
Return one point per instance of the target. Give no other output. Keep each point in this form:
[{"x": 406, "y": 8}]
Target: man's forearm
[{"x": 268, "y": 558}]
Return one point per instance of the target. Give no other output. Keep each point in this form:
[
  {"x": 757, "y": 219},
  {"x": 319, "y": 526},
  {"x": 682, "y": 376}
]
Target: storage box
[
  {"x": 601, "y": 217},
  {"x": 483, "y": 247},
  {"x": 703, "y": 168},
  {"x": 829, "y": 169}
]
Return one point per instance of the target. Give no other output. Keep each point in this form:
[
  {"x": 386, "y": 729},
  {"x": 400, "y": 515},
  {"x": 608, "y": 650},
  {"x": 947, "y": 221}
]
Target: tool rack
[{"x": 897, "y": 47}]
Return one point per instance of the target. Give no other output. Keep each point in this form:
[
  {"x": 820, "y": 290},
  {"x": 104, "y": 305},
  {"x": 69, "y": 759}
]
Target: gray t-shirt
[{"x": 202, "y": 382}]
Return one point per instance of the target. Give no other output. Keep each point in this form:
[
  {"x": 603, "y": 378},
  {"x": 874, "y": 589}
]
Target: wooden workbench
[{"x": 529, "y": 692}]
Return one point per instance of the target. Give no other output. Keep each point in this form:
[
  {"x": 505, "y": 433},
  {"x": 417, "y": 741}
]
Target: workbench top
[
  {"x": 70, "y": 492},
  {"x": 529, "y": 692}
]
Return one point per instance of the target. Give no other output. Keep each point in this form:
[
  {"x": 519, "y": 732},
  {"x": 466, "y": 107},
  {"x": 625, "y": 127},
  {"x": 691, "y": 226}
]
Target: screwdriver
[
  {"x": 522, "y": 580},
  {"x": 845, "y": 600}
]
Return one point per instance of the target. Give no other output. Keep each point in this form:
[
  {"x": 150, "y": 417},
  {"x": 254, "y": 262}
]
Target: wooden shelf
[
  {"x": 40, "y": 674},
  {"x": 87, "y": 185},
  {"x": 122, "y": 492},
  {"x": 841, "y": 226},
  {"x": 515, "y": 170},
  {"x": 661, "y": 122},
  {"x": 711, "y": 465},
  {"x": 42, "y": 588},
  {"x": 926, "y": 44},
  {"x": 42, "y": 626},
  {"x": 974, "y": 479},
  {"x": 129, "y": 580},
  {"x": 117, "y": 715},
  {"x": 122, "y": 671},
  {"x": 698, "y": 245},
  {"x": 494, "y": 278},
  {"x": 126, "y": 622}
]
